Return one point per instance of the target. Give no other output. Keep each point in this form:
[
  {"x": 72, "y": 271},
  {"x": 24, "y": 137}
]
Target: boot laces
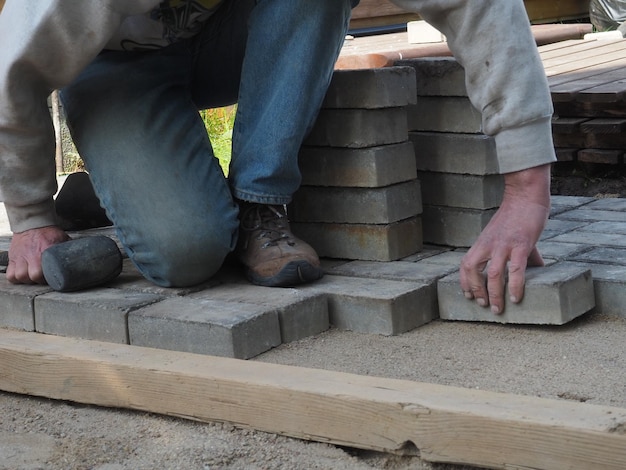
[{"x": 269, "y": 221}]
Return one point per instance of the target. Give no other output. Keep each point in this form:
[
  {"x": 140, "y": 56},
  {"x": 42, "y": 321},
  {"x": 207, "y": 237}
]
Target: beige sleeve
[
  {"x": 505, "y": 78},
  {"x": 44, "y": 45}
]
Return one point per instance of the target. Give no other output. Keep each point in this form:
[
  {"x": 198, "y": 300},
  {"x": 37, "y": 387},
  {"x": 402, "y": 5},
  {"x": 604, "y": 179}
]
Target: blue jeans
[{"x": 134, "y": 119}]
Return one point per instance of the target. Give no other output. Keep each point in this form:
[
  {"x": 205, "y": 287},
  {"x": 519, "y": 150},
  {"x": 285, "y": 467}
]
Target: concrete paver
[
  {"x": 206, "y": 326},
  {"x": 454, "y": 226},
  {"x": 300, "y": 314},
  {"x": 359, "y": 128},
  {"x": 471, "y": 154},
  {"x": 375, "y": 242},
  {"x": 609, "y": 282},
  {"x": 371, "y": 167},
  {"x": 554, "y": 295},
  {"x": 376, "y": 306},
  {"x": 444, "y": 114},
  {"x": 437, "y": 76},
  {"x": 371, "y": 88},
  {"x": 456, "y": 190},
  {"x": 357, "y": 205},
  {"x": 99, "y": 314},
  {"x": 561, "y": 251},
  {"x": 17, "y": 304}
]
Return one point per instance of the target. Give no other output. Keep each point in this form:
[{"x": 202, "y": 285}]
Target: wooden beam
[{"x": 443, "y": 424}]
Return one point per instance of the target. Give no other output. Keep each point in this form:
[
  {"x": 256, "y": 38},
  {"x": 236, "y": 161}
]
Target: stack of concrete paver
[
  {"x": 360, "y": 197},
  {"x": 456, "y": 163}
]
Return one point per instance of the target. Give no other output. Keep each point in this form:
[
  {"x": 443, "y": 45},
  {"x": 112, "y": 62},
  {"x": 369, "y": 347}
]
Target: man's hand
[
  {"x": 25, "y": 253},
  {"x": 509, "y": 239}
]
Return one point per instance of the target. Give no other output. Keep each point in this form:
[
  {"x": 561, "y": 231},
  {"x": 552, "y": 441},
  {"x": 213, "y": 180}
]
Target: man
[
  {"x": 134, "y": 75},
  {"x": 130, "y": 113}
]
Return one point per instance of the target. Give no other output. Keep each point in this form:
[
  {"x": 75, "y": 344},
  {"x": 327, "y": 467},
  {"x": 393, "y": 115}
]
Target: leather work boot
[{"x": 273, "y": 256}]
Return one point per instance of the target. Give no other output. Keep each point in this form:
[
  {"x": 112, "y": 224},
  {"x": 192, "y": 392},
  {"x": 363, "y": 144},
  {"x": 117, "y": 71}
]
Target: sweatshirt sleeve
[
  {"x": 505, "y": 78},
  {"x": 44, "y": 45}
]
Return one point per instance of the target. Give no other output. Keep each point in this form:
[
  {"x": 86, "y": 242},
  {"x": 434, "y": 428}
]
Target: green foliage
[
  {"x": 219, "y": 125},
  {"x": 218, "y": 122}
]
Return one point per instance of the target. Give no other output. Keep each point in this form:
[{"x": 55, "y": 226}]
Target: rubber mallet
[{"x": 79, "y": 264}]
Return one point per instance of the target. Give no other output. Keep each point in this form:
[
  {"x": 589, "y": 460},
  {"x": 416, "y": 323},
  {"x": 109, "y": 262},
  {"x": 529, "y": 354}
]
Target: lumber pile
[{"x": 588, "y": 88}]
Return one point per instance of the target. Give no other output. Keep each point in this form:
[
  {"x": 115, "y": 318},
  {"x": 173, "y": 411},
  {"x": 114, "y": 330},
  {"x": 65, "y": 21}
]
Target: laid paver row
[{"x": 229, "y": 317}]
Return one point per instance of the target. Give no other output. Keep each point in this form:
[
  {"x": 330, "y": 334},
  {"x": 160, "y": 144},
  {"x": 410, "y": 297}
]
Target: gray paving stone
[
  {"x": 453, "y": 226},
  {"x": 357, "y": 205},
  {"x": 456, "y": 190},
  {"x": 370, "y": 167},
  {"x": 554, "y": 295},
  {"x": 561, "y": 204},
  {"x": 590, "y": 215},
  {"x": 437, "y": 76},
  {"x": 99, "y": 314},
  {"x": 592, "y": 238},
  {"x": 608, "y": 204},
  {"x": 606, "y": 227},
  {"x": 556, "y": 227},
  {"x": 396, "y": 270},
  {"x": 427, "y": 251},
  {"x": 371, "y": 88},
  {"x": 16, "y": 304},
  {"x": 609, "y": 282},
  {"x": 384, "y": 242},
  {"x": 358, "y": 128},
  {"x": 203, "y": 326},
  {"x": 560, "y": 251},
  {"x": 472, "y": 154},
  {"x": 300, "y": 314},
  {"x": 330, "y": 263},
  {"x": 376, "y": 306},
  {"x": 444, "y": 114},
  {"x": 449, "y": 258},
  {"x": 601, "y": 255}
]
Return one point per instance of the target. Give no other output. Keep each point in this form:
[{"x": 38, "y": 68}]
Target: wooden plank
[
  {"x": 575, "y": 83},
  {"x": 441, "y": 423},
  {"x": 565, "y": 48},
  {"x": 603, "y": 53},
  {"x": 591, "y": 110},
  {"x": 562, "y": 125},
  {"x": 611, "y": 92},
  {"x": 605, "y": 157},
  {"x": 603, "y": 126}
]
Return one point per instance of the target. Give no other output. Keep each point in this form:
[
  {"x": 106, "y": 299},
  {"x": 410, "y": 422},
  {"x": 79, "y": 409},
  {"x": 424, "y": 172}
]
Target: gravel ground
[{"x": 581, "y": 361}]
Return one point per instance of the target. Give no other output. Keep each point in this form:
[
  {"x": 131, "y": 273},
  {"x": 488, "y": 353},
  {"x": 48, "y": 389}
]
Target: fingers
[
  {"x": 501, "y": 270},
  {"x": 472, "y": 278},
  {"x": 496, "y": 275},
  {"x": 24, "y": 272},
  {"x": 25, "y": 254}
]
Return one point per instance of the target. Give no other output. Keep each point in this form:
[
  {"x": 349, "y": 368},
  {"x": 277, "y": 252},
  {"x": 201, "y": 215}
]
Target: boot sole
[{"x": 293, "y": 273}]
